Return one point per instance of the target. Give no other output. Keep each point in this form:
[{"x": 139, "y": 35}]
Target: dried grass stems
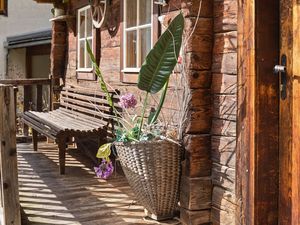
[{"x": 174, "y": 116}]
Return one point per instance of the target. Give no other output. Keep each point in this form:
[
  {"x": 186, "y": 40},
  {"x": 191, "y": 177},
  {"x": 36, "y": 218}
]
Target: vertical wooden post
[
  {"x": 245, "y": 159},
  {"x": 8, "y": 157},
  {"x": 39, "y": 98},
  {"x": 27, "y": 99}
]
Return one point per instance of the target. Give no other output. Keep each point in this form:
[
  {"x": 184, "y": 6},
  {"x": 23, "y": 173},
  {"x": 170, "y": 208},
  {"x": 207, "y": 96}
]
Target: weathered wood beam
[
  {"x": 8, "y": 156},
  {"x": 26, "y": 82}
]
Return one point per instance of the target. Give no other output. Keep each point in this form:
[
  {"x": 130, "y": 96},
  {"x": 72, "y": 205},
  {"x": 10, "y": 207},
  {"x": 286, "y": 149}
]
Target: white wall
[{"x": 24, "y": 16}]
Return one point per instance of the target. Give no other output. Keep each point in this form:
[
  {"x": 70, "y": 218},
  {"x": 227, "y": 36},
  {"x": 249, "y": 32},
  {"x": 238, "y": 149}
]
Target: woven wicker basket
[{"x": 153, "y": 171}]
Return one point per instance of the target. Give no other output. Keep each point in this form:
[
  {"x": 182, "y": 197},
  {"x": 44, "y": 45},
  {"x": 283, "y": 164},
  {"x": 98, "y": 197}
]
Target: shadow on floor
[{"x": 75, "y": 198}]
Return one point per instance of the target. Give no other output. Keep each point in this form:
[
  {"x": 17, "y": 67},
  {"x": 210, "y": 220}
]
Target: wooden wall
[
  {"x": 224, "y": 90},
  {"x": 196, "y": 186},
  {"x": 210, "y": 59}
]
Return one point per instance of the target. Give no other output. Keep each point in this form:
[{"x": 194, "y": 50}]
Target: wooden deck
[{"x": 75, "y": 198}]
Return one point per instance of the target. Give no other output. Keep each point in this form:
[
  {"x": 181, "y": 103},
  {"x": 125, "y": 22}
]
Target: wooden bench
[{"x": 82, "y": 113}]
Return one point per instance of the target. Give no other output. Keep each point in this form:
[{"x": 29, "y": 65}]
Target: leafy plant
[
  {"x": 153, "y": 77},
  {"x": 160, "y": 62},
  {"x": 99, "y": 75}
]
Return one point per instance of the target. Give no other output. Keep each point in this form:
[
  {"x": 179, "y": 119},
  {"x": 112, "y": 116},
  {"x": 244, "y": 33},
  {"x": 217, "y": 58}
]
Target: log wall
[
  {"x": 196, "y": 185},
  {"x": 210, "y": 59},
  {"x": 224, "y": 90}
]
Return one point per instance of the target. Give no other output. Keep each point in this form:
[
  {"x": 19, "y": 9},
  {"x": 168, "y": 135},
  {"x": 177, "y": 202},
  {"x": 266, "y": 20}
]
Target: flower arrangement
[{"x": 153, "y": 79}]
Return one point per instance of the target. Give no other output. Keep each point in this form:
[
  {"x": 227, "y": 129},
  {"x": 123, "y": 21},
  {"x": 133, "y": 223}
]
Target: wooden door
[
  {"x": 289, "y": 126},
  {"x": 268, "y": 148}
]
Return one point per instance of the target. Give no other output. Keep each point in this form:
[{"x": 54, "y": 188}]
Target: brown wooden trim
[
  {"x": 246, "y": 114},
  {"x": 39, "y": 50},
  {"x": 267, "y": 112},
  {"x": 25, "y": 82},
  {"x": 4, "y": 7},
  {"x": 258, "y": 116},
  {"x": 289, "y": 201},
  {"x": 132, "y": 77}
]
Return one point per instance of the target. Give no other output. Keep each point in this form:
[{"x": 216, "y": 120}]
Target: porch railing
[
  {"x": 9, "y": 194},
  {"x": 29, "y": 86}
]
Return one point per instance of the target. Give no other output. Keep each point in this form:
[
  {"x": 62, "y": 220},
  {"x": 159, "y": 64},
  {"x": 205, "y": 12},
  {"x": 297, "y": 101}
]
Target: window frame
[
  {"x": 129, "y": 75},
  {"x": 3, "y": 7},
  {"x": 86, "y": 73},
  {"x": 79, "y": 40}
]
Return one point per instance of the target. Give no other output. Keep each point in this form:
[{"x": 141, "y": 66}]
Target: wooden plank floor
[{"x": 75, "y": 198}]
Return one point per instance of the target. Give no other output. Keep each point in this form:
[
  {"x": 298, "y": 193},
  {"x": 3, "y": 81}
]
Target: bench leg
[
  {"x": 35, "y": 140},
  {"x": 62, "y": 154}
]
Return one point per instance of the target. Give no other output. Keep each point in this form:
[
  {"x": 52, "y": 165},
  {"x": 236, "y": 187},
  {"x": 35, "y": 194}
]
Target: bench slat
[
  {"x": 82, "y": 117},
  {"x": 93, "y": 99},
  {"x": 83, "y": 112},
  {"x": 86, "y": 111},
  {"x": 53, "y": 126},
  {"x": 86, "y": 91},
  {"x": 38, "y": 127},
  {"x": 71, "y": 102},
  {"x": 77, "y": 122},
  {"x": 67, "y": 125}
]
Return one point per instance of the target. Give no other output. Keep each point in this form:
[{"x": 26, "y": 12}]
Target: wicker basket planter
[{"x": 153, "y": 172}]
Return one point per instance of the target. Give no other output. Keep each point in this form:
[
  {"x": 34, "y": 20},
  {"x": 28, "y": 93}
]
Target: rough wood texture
[
  {"x": 78, "y": 198},
  {"x": 267, "y": 113},
  {"x": 246, "y": 118},
  {"x": 289, "y": 144},
  {"x": 195, "y": 193},
  {"x": 195, "y": 200},
  {"x": 9, "y": 171},
  {"x": 58, "y": 51},
  {"x": 25, "y": 82},
  {"x": 224, "y": 89},
  {"x": 195, "y": 217},
  {"x": 197, "y": 155}
]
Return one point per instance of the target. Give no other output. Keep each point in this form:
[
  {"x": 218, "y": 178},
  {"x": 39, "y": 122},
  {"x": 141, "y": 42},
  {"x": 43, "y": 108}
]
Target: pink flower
[
  {"x": 127, "y": 101},
  {"x": 179, "y": 60}
]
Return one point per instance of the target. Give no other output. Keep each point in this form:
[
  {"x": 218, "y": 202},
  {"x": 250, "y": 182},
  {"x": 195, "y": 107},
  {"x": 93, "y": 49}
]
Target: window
[
  {"x": 84, "y": 32},
  {"x": 3, "y": 7},
  {"x": 137, "y": 33}
]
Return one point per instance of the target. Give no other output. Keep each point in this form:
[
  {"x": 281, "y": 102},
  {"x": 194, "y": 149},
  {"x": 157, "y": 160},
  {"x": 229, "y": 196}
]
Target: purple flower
[
  {"x": 127, "y": 101},
  {"x": 104, "y": 170}
]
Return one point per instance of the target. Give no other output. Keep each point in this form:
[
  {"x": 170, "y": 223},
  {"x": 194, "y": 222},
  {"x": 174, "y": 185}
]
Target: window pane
[
  {"x": 131, "y": 49},
  {"x": 145, "y": 40},
  {"x": 131, "y": 13},
  {"x": 88, "y": 59},
  {"x": 82, "y": 24},
  {"x": 145, "y": 12},
  {"x": 81, "y": 54},
  {"x": 89, "y": 23}
]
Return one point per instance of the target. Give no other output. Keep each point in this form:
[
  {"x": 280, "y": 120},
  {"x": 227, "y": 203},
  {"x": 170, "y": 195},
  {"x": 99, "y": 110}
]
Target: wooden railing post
[
  {"x": 27, "y": 97},
  {"x": 39, "y": 98},
  {"x": 8, "y": 157}
]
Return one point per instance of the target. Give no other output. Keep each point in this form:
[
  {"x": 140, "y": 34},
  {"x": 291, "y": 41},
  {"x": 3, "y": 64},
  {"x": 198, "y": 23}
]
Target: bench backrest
[{"x": 88, "y": 103}]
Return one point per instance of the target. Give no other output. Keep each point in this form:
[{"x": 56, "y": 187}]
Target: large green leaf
[{"x": 162, "y": 59}]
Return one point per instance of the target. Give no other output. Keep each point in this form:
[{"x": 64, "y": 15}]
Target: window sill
[
  {"x": 86, "y": 75},
  {"x": 84, "y": 70},
  {"x": 129, "y": 77},
  {"x": 131, "y": 70}
]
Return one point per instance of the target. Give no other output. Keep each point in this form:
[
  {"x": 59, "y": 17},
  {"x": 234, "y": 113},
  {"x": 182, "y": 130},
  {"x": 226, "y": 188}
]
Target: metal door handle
[{"x": 281, "y": 70}]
